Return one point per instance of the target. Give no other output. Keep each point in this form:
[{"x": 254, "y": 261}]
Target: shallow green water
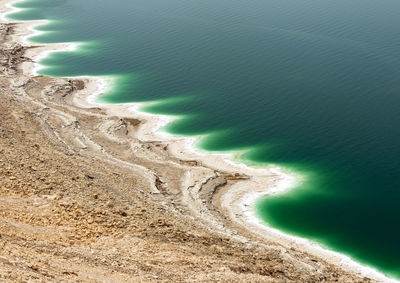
[{"x": 312, "y": 86}]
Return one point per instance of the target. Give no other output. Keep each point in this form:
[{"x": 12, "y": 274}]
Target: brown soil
[{"x": 83, "y": 200}]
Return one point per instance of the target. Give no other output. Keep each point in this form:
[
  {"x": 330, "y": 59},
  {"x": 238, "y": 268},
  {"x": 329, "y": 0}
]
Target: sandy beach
[{"x": 93, "y": 192}]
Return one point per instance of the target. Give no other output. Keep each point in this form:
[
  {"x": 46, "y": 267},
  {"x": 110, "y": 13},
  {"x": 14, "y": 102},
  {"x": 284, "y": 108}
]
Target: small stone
[{"x": 122, "y": 213}]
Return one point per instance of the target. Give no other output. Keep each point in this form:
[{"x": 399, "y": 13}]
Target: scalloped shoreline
[{"x": 237, "y": 201}]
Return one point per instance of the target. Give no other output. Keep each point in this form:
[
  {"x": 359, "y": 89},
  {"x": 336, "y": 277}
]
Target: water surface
[{"x": 312, "y": 86}]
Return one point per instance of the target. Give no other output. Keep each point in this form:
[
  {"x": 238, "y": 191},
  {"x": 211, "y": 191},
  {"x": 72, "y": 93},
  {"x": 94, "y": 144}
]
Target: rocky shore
[{"x": 83, "y": 198}]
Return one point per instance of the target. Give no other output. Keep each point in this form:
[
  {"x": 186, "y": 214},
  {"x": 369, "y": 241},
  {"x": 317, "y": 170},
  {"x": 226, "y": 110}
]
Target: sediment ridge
[{"x": 89, "y": 193}]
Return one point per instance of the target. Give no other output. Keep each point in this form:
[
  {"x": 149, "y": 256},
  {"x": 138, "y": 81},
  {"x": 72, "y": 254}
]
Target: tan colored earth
[{"x": 82, "y": 199}]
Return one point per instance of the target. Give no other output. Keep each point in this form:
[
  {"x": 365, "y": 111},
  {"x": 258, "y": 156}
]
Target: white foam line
[
  {"x": 34, "y": 31},
  {"x": 344, "y": 261},
  {"x": 155, "y": 122},
  {"x": 287, "y": 182},
  {"x": 11, "y": 9},
  {"x": 65, "y": 47},
  {"x": 58, "y": 47},
  {"x": 247, "y": 202}
]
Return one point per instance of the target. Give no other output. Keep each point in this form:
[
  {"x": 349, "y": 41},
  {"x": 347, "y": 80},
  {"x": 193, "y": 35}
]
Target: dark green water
[{"x": 313, "y": 86}]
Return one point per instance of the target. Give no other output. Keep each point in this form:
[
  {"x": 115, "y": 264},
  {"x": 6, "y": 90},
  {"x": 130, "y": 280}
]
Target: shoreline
[{"x": 237, "y": 201}]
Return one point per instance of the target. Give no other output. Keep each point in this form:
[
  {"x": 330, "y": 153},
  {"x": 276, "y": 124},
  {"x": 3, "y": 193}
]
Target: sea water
[{"x": 311, "y": 86}]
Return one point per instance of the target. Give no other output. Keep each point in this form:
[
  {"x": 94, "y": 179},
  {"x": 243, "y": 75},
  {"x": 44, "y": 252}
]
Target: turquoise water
[{"x": 312, "y": 86}]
